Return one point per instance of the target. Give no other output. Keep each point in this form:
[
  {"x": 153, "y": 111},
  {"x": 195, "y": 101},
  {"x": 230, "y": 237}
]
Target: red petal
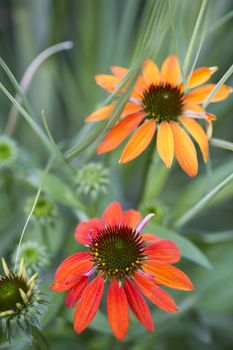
[
  {"x": 138, "y": 305},
  {"x": 169, "y": 276},
  {"x": 113, "y": 214},
  {"x": 75, "y": 293},
  {"x": 117, "y": 307},
  {"x": 69, "y": 271},
  {"x": 131, "y": 218},
  {"x": 150, "y": 238},
  {"x": 84, "y": 228},
  {"x": 164, "y": 251},
  {"x": 154, "y": 293},
  {"x": 88, "y": 304}
]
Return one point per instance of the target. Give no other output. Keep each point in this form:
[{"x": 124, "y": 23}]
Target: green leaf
[
  {"x": 40, "y": 339},
  {"x": 188, "y": 249}
]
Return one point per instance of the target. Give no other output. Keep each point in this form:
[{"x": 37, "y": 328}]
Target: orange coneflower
[
  {"x": 128, "y": 262},
  {"x": 159, "y": 101}
]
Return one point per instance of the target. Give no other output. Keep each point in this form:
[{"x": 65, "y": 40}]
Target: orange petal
[
  {"x": 117, "y": 308},
  {"x": 154, "y": 293},
  {"x": 170, "y": 70},
  {"x": 138, "y": 305},
  {"x": 169, "y": 276},
  {"x": 88, "y": 304},
  {"x": 113, "y": 214},
  {"x": 201, "y": 76},
  {"x": 101, "y": 114},
  {"x": 131, "y": 108},
  {"x": 163, "y": 251},
  {"x": 150, "y": 72},
  {"x": 185, "y": 151},
  {"x": 165, "y": 143},
  {"x": 119, "y": 132},
  {"x": 199, "y": 95},
  {"x": 85, "y": 228},
  {"x": 193, "y": 107},
  {"x": 119, "y": 72},
  {"x": 107, "y": 82},
  {"x": 198, "y": 134},
  {"x": 131, "y": 218},
  {"x": 139, "y": 141},
  {"x": 74, "y": 294}
]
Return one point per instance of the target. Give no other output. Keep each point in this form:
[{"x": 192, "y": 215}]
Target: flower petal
[
  {"x": 193, "y": 107},
  {"x": 201, "y": 76},
  {"x": 154, "y": 293},
  {"x": 113, "y": 214},
  {"x": 144, "y": 222},
  {"x": 101, "y": 114},
  {"x": 163, "y": 251},
  {"x": 119, "y": 132},
  {"x": 88, "y": 304},
  {"x": 117, "y": 308},
  {"x": 119, "y": 72},
  {"x": 198, "y": 134},
  {"x": 87, "y": 228},
  {"x": 75, "y": 293},
  {"x": 150, "y": 238},
  {"x": 199, "y": 95},
  {"x": 107, "y": 82},
  {"x": 139, "y": 141},
  {"x": 131, "y": 218},
  {"x": 131, "y": 108},
  {"x": 150, "y": 72},
  {"x": 165, "y": 143},
  {"x": 69, "y": 271},
  {"x": 138, "y": 305},
  {"x": 185, "y": 151},
  {"x": 169, "y": 276},
  {"x": 170, "y": 70}
]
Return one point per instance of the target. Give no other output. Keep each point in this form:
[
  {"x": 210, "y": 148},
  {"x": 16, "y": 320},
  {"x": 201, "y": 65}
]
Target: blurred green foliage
[{"x": 105, "y": 33}]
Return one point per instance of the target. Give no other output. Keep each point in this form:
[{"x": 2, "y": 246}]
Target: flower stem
[
  {"x": 186, "y": 217},
  {"x": 222, "y": 144}
]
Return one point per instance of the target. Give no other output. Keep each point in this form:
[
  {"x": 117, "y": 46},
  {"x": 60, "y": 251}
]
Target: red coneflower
[
  {"x": 159, "y": 101},
  {"x": 128, "y": 262}
]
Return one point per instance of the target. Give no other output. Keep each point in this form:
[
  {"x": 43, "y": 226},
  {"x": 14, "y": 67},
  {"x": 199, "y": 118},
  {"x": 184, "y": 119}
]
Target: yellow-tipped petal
[
  {"x": 5, "y": 268},
  {"x": 201, "y": 76},
  {"x": 185, "y": 151},
  {"x": 165, "y": 143},
  {"x": 23, "y": 295},
  {"x": 101, "y": 113},
  {"x": 170, "y": 70},
  {"x": 198, "y": 134},
  {"x": 199, "y": 95},
  {"x": 150, "y": 72}
]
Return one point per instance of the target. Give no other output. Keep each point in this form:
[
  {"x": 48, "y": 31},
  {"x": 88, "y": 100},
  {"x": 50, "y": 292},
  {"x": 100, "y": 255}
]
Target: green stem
[
  {"x": 186, "y": 217},
  {"x": 222, "y": 144}
]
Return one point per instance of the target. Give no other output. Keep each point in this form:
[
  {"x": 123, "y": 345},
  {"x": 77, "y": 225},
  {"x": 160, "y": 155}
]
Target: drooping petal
[
  {"x": 169, "y": 276},
  {"x": 150, "y": 72},
  {"x": 131, "y": 218},
  {"x": 199, "y": 95},
  {"x": 139, "y": 141},
  {"x": 101, "y": 114},
  {"x": 165, "y": 143},
  {"x": 201, "y": 76},
  {"x": 185, "y": 151},
  {"x": 86, "y": 229},
  {"x": 70, "y": 270},
  {"x": 107, "y": 82},
  {"x": 144, "y": 222},
  {"x": 138, "y": 305},
  {"x": 119, "y": 132},
  {"x": 88, "y": 304},
  {"x": 119, "y": 72},
  {"x": 163, "y": 251},
  {"x": 154, "y": 293},
  {"x": 113, "y": 214},
  {"x": 170, "y": 70},
  {"x": 75, "y": 293},
  {"x": 117, "y": 308},
  {"x": 198, "y": 134}
]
